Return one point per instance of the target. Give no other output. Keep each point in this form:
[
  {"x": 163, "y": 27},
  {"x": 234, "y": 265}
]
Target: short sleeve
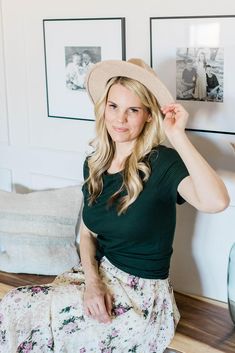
[
  {"x": 85, "y": 176},
  {"x": 174, "y": 171},
  {"x": 85, "y": 169}
]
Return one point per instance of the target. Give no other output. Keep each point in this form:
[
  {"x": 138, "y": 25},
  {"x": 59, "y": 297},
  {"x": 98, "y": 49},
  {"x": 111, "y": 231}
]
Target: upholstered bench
[{"x": 38, "y": 230}]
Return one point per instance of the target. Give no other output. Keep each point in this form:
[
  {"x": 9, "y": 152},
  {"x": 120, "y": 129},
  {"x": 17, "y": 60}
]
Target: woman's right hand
[{"x": 98, "y": 302}]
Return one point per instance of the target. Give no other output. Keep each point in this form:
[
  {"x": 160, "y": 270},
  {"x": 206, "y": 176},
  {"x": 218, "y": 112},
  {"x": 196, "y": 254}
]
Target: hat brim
[{"x": 102, "y": 72}]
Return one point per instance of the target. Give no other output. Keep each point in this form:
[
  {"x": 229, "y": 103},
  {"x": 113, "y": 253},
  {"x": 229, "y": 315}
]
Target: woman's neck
[{"x": 122, "y": 151}]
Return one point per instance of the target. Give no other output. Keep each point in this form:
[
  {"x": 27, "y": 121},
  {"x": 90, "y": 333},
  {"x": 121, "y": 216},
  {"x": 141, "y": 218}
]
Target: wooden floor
[
  {"x": 205, "y": 327},
  {"x": 204, "y": 322}
]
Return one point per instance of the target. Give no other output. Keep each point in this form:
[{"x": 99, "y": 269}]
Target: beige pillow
[{"x": 37, "y": 230}]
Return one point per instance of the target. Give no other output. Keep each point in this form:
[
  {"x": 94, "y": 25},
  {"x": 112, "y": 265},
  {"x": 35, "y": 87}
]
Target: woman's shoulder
[
  {"x": 162, "y": 150},
  {"x": 162, "y": 154}
]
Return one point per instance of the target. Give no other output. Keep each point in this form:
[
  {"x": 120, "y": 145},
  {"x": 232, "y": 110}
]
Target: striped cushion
[{"x": 37, "y": 230}]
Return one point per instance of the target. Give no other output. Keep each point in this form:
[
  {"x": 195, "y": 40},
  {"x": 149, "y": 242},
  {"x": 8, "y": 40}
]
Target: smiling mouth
[{"x": 120, "y": 129}]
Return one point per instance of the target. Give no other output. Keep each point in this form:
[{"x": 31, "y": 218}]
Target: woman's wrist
[
  {"x": 92, "y": 279},
  {"x": 91, "y": 270},
  {"x": 177, "y": 138}
]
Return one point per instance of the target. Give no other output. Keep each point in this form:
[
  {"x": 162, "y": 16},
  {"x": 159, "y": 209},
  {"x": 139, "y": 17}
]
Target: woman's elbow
[
  {"x": 219, "y": 205},
  {"x": 224, "y": 203}
]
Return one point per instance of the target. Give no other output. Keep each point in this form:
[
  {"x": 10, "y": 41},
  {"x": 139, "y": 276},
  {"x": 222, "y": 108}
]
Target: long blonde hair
[{"x": 104, "y": 148}]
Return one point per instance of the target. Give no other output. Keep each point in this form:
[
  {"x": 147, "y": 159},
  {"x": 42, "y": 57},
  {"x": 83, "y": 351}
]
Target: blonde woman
[
  {"x": 120, "y": 299},
  {"x": 200, "y": 92}
]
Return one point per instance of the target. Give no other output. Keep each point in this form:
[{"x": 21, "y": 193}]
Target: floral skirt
[{"x": 50, "y": 318}]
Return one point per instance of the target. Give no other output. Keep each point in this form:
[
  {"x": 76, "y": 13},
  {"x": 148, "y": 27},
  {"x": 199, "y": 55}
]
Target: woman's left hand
[{"x": 175, "y": 119}]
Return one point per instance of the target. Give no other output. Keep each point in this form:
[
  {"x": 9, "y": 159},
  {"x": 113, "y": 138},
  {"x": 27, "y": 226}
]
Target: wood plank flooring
[
  {"x": 17, "y": 280},
  {"x": 205, "y": 322},
  {"x": 205, "y": 327}
]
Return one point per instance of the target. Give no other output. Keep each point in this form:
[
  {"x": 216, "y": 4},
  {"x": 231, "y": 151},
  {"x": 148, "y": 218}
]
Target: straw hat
[{"x": 136, "y": 69}]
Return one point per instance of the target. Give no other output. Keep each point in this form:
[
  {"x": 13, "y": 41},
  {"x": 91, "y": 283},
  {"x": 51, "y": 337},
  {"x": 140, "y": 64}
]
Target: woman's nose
[{"x": 122, "y": 116}]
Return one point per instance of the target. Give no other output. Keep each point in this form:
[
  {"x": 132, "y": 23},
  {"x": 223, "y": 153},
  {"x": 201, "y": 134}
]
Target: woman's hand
[
  {"x": 97, "y": 298},
  {"x": 203, "y": 188},
  {"x": 175, "y": 120},
  {"x": 98, "y": 302}
]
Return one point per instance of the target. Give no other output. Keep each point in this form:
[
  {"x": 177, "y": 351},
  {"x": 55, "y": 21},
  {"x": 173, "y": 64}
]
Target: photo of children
[
  {"x": 199, "y": 74},
  {"x": 78, "y": 60}
]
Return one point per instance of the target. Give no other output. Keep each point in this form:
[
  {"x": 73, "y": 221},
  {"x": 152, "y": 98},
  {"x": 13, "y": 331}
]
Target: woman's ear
[{"x": 149, "y": 118}]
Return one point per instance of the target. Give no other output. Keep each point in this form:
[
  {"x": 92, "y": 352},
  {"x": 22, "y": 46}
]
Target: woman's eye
[
  {"x": 112, "y": 106},
  {"x": 134, "y": 110}
]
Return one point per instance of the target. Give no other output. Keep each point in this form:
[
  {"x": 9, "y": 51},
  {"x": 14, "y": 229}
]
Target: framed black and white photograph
[
  {"x": 78, "y": 60},
  {"x": 195, "y": 59},
  {"x": 72, "y": 47}
]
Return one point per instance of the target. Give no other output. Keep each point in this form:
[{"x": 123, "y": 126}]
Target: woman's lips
[{"x": 120, "y": 129}]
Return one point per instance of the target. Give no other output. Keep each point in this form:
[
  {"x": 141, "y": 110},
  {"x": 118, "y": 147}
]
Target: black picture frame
[
  {"x": 71, "y": 47},
  {"x": 174, "y": 43}
]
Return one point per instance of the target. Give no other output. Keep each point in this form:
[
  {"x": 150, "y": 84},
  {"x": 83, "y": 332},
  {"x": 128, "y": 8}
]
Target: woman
[
  {"x": 120, "y": 299},
  {"x": 200, "y": 92}
]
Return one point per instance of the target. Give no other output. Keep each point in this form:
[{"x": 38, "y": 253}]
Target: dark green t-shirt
[{"x": 139, "y": 242}]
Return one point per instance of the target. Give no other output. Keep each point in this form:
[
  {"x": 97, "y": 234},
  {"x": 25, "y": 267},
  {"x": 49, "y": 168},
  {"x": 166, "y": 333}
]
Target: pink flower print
[
  {"x": 152, "y": 347},
  {"x": 105, "y": 345},
  {"x": 153, "y": 317},
  {"x": 102, "y": 345},
  {"x": 107, "y": 350},
  {"x": 17, "y": 300},
  {"x": 36, "y": 289},
  {"x": 82, "y": 350},
  {"x": 115, "y": 333},
  {"x": 120, "y": 309},
  {"x": 164, "y": 305},
  {"x": 145, "y": 307},
  {"x": 50, "y": 343},
  {"x": 133, "y": 281},
  {"x": 26, "y": 347},
  {"x": 70, "y": 327},
  {"x": 145, "y": 304}
]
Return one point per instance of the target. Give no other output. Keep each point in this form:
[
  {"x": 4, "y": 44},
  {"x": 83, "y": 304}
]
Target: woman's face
[
  {"x": 77, "y": 59},
  {"x": 86, "y": 58},
  {"x": 125, "y": 115},
  {"x": 201, "y": 56}
]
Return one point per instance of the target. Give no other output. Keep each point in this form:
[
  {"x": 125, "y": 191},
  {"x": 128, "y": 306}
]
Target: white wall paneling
[
  {"x": 44, "y": 132},
  {"x": 217, "y": 149},
  {"x": 16, "y": 77},
  {"x": 40, "y": 181},
  {"x": 30, "y": 167},
  {"x": 5, "y": 179},
  {"x": 201, "y": 250},
  {"x": 3, "y": 98}
]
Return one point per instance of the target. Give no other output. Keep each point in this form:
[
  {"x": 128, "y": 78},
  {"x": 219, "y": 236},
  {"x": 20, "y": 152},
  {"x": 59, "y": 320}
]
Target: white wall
[{"x": 38, "y": 152}]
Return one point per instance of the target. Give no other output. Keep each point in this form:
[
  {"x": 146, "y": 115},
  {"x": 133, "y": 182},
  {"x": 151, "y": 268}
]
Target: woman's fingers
[
  {"x": 98, "y": 302},
  {"x": 174, "y": 107},
  {"x": 175, "y": 111},
  {"x": 87, "y": 311},
  {"x": 101, "y": 313},
  {"x": 97, "y": 310},
  {"x": 109, "y": 303}
]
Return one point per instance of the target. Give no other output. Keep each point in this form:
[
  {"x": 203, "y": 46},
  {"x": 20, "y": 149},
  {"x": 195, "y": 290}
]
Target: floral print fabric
[{"x": 50, "y": 318}]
